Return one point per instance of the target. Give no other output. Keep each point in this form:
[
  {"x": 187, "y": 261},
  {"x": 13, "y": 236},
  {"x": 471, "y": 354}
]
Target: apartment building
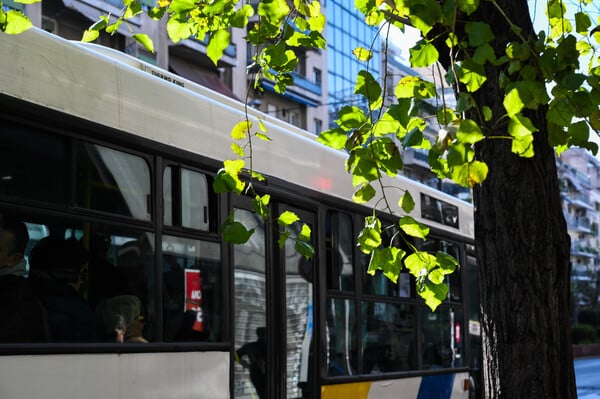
[{"x": 579, "y": 180}]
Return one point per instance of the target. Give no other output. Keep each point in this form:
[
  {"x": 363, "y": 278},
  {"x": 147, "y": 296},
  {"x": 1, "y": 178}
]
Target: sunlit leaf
[
  {"x": 364, "y": 194},
  {"x": 145, "y": 41},
  {"x": 406, "y": 202},
  {"x": 217, "y": 44},
  {"x": 286, "y": 218},
  {"x": 413, "y": 228},
  {"x": 423, "y": 55},
  {"x": 240, "y": 130}
]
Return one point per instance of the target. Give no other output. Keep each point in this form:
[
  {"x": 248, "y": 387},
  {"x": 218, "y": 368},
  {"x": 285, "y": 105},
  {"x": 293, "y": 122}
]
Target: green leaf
[
  {"x": 226, "y": 182},
  {"x": 521, "y": 129},
  {"x": 389, "y": 261},
  {"x": 133, "y": 8},
  {"x": 469, "y": 132},
  {"x": 368, "y": 86},
  {"x": 362, "y": 54},
  {"x": 240, "y": 130},
  {"x": 369, "y": 237},
  {"x": 305, "y": 249},
  {"x": 145, "y": 41},
  {"x": 419, "y": 264},
  {"x": 286, "y": 218},
  {"x": 351, "y": 117},
  {"x": 423, "y": 54},
  {"x": 468, "y": 6},
  {"x": 235, "y": 232},
  {"x": 406, "y": 202},
  {"x": 273, "y": 10},
  {"x": 513, "y": 103},
  {"x": 471, "y": 74},
  {"x": 261, "y": 205},
  {"x": 334, "y": 138},
  {"x": 305, "y": 233},
  {"x": 582, "y": 22},
  {"x": 90, "y": 35},
  {"x": 283, "y": 237},
  {"x": 364, "y": 194},
  {"x": 179, "y": 30},
  {"x": 237, "y": 149},
  {"x": 413, "y": 228},
  {"x": 414, "y": 87},
  {"x": 181, "y": 6},
  {"x": 479, "y": 33},
  {"x": 217, "y": 44},
  {"x": 433, "y": 294}
]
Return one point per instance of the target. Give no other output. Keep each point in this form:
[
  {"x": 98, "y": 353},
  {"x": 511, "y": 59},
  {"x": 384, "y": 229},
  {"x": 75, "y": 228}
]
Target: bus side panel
[
  {"x": 442, "y": 386},
  {"x": 203, "y": 375}
]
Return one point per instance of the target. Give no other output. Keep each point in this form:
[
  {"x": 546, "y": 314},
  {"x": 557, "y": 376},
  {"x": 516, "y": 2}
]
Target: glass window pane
[
  {"x": 339, "y": 244},
  {"x": 453, "y": 280},
  {"x": 168, "y": 196},
  {"x": 299, "y": 274},
  {"x": 192, "y": 289},
  {"x": 112, "y": 181},
  {"x": 389, "y": 337},
  {"x": 33, "y": 165},
  {"x": 77, "y": 282},
  {"x": 250, "y": 369},
  {"x": 194, "y": 200},
  {"x": 341, "y": 337},
  {"x": 442, "y": 338}
]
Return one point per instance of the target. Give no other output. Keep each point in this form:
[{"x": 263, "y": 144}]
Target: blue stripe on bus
[{"x": 436, "y": 386}]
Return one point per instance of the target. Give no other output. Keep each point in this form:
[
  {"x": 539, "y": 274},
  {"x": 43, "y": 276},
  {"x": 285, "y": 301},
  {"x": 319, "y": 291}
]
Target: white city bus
[{"x": 128, "y": 290}]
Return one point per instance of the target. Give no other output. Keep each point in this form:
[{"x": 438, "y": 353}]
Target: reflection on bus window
[
  {"x": 112, "y": 181},
  {"x": 186, "y": 199},
  {"x": 389, "y": 337},
  {"x": 191, "y": 289},
  {"x": 299, "y": 274},
  {"x": 33, "y": 165},
  {"x": 250, "y": 309},
  {"x": 341, "y": 337},
  {"x": 442, "y": 341},
  {"x": 340, "y": 273}
]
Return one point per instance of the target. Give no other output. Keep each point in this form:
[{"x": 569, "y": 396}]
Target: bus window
[
  {"x": 379, "y": 284},
  {"x": 341, "y": 337},
  {"x": 250, "y": 369},
  {"x": 340, "y": 269},
  {"x": 33, "y": 165},
  {"x": 191, "y": 289},
  {"x": 442, "y": 340},
  {"x": 389, "y": 337},
  {"x": 112, "y": 181},
  {"x": 187, "y": 199},
  {"x": 434, "y": 245},
  {"x": 85, "y": 276}
]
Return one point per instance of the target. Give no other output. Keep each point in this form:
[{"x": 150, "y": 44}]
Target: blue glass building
[{"x": 347, "y": 30}]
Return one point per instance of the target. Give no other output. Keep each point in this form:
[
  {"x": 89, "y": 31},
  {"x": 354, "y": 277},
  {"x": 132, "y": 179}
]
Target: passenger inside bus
[
  {"x": 21, "y": 313},
  {"x": 56, "y": 266},
  {"x": 120, "y": 319}
]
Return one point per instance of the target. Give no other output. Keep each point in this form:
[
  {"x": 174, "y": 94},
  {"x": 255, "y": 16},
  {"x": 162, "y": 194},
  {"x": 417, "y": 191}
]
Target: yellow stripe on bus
[{"x": 354, "y": 390}]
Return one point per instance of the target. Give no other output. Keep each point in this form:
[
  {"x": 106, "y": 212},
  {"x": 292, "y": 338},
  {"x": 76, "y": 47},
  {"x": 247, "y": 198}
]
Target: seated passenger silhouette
[
  {"x": 21, "y": 315},
  {"x": 120, "y": 319},
  {"x": 56, "y": 264}
]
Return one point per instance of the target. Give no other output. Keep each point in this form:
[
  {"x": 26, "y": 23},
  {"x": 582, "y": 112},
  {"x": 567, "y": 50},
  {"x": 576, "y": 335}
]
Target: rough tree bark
[{"x": 523, "y": 249}]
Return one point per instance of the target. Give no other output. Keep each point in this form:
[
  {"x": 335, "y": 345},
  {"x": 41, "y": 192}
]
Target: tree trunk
[{"x": 523, "y": 249}]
